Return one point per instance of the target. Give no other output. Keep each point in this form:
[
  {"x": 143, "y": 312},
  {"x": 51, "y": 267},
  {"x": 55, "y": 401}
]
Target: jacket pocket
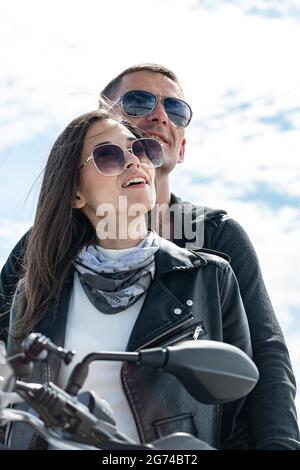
[{"x": 181, "y": 423}]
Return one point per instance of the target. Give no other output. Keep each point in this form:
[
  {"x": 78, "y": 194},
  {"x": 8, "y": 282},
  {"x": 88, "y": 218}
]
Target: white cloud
[
  {"x": 55, "y": 63},
  {"x": 266, "y": 8},
  {"x": 11, "y": 230},
  {"x": 221, "y": 148},
  {"x": 58, "y": 56}
]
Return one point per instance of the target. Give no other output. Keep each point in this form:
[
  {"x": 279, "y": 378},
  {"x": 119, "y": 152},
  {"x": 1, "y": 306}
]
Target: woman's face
[{"x": 98, "y": 194}]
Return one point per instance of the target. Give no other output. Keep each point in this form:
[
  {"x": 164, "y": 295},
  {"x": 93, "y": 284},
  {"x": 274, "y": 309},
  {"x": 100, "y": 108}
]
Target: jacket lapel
[
  {"x": 157, "y": 316},
  {"x": 162, "y": 311}
]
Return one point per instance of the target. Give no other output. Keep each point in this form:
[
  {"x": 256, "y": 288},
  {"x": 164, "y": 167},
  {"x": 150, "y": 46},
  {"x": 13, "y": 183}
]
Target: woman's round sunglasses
[
  {"x": 138, "y": 103},
  {"x": 110, "y": 159}
]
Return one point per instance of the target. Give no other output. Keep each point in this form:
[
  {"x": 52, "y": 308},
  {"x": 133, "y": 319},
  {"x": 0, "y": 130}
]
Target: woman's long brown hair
[{"x": 59, "y": 230}]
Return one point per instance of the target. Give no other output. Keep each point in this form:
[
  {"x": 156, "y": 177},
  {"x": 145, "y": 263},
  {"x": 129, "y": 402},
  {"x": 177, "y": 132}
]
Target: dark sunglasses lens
[
  {"x": 149, "y": 152},
  {"x": 109, "y": 159},
  {"x": 138, "y": 103},
  {"x": 178, "y": 111}
]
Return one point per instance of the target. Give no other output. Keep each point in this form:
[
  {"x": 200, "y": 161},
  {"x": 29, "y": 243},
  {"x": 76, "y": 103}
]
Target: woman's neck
[
  {"x": 136, "y": 232},
  {"x": 118, "y": 244}
]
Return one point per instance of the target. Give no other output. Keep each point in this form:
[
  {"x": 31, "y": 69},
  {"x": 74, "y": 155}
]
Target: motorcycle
[{"x": 74, "y": 419}]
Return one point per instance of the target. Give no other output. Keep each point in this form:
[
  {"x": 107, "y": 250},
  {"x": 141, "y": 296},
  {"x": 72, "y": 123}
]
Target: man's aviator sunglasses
[
  {"x": 139, "y": 103},
  {"x": 110, "y": 159}
]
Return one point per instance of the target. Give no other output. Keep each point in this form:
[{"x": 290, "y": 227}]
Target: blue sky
[{"x": 238, "y": 64}]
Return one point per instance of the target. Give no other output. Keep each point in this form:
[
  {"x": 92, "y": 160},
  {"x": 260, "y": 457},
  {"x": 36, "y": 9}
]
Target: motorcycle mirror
[{"x": 211, "y": 371}]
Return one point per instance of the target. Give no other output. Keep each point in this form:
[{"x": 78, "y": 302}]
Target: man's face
[{"x": 157, "y": 123}]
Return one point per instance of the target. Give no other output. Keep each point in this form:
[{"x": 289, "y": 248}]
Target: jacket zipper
[
  {"x": 165, "y": 333},
  {"x": 193, "y": 335},
  {"x": 199, "y": 331}
]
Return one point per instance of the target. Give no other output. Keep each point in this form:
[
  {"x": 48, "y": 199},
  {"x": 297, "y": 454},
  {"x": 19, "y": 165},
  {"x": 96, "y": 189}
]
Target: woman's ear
[{"x": 79, "y": 201}]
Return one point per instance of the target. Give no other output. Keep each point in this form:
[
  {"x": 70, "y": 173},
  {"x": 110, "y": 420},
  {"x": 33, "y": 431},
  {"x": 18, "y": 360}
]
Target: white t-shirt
[{"x": 89, "y": 330}]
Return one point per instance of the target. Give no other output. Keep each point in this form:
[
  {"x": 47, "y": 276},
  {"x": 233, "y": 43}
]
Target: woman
[{"x": 96, "y": 279}]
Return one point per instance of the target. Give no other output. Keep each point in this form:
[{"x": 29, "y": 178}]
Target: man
[
  {"x": 157, "y": 108},
  {"x": 271, "y": 404}
]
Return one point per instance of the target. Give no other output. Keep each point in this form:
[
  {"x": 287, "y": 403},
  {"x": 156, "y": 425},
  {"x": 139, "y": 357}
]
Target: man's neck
[
  {"x": 163, "y": 199},
  {"x": 163, "y": 193}
]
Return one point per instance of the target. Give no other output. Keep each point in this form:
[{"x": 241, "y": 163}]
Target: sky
[{"x": 237, "y": 62}]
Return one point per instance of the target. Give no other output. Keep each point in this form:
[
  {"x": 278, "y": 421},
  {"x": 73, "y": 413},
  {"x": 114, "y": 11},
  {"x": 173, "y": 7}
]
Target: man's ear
[
  {"x": 79, "y": 201},
  {"x": 181, "y": 152}
]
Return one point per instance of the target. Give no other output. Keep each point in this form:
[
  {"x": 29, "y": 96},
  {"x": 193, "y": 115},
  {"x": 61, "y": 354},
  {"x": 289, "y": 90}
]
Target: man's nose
[{"x": 158, "y": 114}]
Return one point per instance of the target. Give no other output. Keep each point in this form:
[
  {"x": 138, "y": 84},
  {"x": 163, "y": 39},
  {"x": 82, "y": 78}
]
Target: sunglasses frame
[
  {"x": 91, "y": 156},
  {"x": 120, "y": 100}
]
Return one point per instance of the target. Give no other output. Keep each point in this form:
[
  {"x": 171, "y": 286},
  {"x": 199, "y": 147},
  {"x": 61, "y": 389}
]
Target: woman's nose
[{"x": 131, "y": 159}]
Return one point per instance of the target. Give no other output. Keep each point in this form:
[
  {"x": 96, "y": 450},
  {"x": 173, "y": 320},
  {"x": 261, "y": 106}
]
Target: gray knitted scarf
[{"x": 112, "y": 285}]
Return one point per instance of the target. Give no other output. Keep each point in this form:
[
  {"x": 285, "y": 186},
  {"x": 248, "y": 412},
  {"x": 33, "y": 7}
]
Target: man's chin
[{"x": 168, "y": 166}]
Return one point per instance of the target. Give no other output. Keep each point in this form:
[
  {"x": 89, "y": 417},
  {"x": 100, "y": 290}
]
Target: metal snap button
[
  {"x": 189, "y": 302},
  {"x": 177, "y": 311}
]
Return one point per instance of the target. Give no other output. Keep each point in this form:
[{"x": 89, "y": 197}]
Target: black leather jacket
[{"x": 159, "y": 403}]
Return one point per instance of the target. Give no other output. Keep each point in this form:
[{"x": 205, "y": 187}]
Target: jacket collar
[
  {"x": 199, "y": 216},
  {"x": 170, "y": 258}
]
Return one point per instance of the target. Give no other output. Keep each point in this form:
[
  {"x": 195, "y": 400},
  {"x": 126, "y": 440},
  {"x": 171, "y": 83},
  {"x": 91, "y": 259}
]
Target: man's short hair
[{"x": 111, "y": 89}]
